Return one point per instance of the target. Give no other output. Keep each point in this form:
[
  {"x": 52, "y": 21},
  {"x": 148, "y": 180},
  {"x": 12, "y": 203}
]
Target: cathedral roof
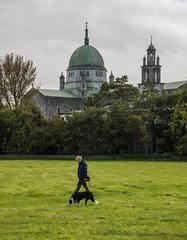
[
  {"x": 56, "y": 93},
  {"x": 86, "y": 56},
  {"x": 174, "y": 85}
]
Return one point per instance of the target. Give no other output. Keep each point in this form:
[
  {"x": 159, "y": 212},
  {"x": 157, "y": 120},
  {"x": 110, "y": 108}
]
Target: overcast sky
[{"x": 48, "y": 31}]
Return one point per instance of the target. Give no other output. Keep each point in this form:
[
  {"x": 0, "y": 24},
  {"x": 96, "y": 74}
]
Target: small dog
[{"x": 77, "y": 197}]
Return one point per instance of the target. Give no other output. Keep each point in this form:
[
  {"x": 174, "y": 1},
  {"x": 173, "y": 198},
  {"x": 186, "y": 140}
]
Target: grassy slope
[{"x": 138, "y": 200}]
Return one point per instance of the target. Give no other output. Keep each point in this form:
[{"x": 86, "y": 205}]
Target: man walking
[{"x": 82, "y": 174}]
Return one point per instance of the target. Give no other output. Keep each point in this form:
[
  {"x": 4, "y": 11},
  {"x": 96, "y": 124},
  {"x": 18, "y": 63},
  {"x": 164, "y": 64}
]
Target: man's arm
[{"x": 85, "y": 171}]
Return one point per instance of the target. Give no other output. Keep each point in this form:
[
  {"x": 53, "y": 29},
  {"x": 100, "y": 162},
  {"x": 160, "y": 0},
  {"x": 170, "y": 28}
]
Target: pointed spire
[
  {"x": 111, "y": 78},
  {"x": 86, "y": 40},
  {"x": 62, "y": 81},
  {"x": 158, "y": 60},
  {"x": 151, "y": 47},
  {"x": 62, "y": 75},
  {"x": 144, "y": 61}
]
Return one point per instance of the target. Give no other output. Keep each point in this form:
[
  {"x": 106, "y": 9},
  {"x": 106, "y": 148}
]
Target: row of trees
[
  {"x": 95, "y": 131},
  {"x": 150, "y": 123},
  {"x": 116, "y": 120}
]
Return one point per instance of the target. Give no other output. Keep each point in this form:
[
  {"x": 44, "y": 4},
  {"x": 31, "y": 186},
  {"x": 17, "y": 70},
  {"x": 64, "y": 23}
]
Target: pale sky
[{"x": 48, "y": 32}]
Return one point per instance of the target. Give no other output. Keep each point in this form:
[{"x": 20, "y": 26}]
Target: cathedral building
[{"x": 85, "y": 75}]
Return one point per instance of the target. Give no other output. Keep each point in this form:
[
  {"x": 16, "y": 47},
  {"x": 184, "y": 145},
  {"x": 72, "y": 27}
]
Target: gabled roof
[
  {"x": 56, "y": 93},
  {"x": 174, "y": 85}
]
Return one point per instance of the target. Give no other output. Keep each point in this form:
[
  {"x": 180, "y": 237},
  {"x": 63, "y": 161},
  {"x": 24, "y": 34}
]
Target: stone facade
[
  {"x": 85, "y": 81},
  {"x": 51, "y": 106}
]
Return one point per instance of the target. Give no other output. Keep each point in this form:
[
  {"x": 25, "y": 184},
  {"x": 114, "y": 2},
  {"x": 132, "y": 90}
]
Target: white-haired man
[{"x": 82, "y": 174}]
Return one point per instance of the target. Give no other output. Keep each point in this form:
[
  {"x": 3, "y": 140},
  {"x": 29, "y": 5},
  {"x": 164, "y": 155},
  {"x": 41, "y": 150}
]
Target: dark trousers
[{"x": 79, "y": 184}]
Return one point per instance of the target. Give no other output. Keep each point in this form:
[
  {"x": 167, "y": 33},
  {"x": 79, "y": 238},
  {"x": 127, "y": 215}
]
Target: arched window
[
  {"x": 146, "y": 76},
  {"x": 155, "y": 75}
]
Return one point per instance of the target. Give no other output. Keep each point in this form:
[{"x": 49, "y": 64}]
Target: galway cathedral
[{"x": 85, "y": 75}]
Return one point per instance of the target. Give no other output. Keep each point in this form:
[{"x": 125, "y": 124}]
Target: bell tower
[{"x": 151, "y": 70}]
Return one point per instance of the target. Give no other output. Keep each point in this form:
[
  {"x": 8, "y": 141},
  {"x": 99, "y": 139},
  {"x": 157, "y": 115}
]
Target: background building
[{"x": 85, "y": 75}]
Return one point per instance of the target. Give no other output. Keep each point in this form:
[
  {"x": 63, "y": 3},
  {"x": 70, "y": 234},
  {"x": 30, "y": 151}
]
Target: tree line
[{"x": 117, "y": 120}]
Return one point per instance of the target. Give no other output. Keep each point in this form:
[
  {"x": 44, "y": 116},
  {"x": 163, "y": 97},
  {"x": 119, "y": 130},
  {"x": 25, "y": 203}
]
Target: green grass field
[{"x": 138, "y": 200}]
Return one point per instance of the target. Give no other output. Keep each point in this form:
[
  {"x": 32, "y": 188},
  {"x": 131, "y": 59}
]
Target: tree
[
  {"x": 16, "y": 77},
  {"x": 47, "y": 139},
  {"x": 85, "y": 132},
  {"x": 127, "y": 131},
  {"x": 120, "y": 90},
  {"x": 16, "y": 126},
  {"x": 178, "y": 125}
]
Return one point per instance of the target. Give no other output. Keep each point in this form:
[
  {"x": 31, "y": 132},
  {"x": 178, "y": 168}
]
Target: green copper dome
[{"x": 86, "y": 56}]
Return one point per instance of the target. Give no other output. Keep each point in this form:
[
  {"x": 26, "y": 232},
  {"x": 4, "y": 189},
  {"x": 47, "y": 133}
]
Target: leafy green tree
[
  {"x": 178, "y": 124},
  {"x": 163, "y": 112},
  {"x": 120, "y": 90},
  {"x": 85, "y": 132},
  {"x": 47, "y": 139},
  {"x": 145, "y": 106},
  {"x": 16, "y": 126},
  {"x": 127, "y": 130}
]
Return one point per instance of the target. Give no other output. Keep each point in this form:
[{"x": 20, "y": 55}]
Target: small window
[
  {"x": 71, "y": 74},
  {"x": 99, "y": 74},
  {"x": 83, "y": 74}
]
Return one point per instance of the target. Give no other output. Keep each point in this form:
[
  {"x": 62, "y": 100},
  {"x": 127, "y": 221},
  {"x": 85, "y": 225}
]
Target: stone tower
[
  {"x": 62, "y": 81},
  {"x": 111, "y": 78},
  {"x": 151, "y": 70}
]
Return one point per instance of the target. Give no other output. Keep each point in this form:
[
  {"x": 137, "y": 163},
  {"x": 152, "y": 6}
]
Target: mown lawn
[{"x": 138, "y": 200}]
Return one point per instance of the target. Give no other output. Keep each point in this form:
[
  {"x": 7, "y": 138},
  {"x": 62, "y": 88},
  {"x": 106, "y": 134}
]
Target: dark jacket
[{"x": 82, "y": 170}]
